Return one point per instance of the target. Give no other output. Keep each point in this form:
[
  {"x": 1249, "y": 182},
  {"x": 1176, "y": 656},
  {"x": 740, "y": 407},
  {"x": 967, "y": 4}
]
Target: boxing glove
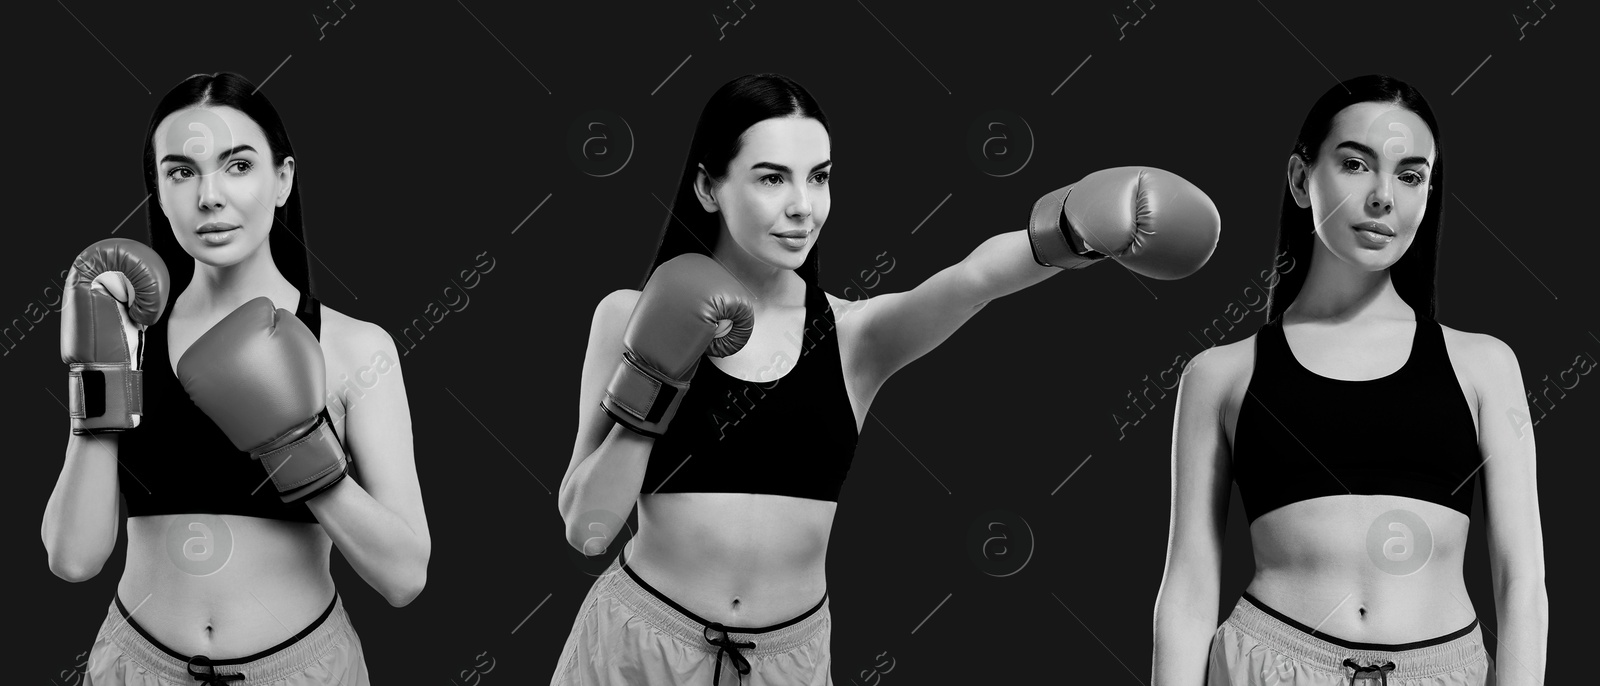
[
  {"x": 259, "y": 374},
  {"x": 690, "y": 307},
  {"x": 1151, "y": 221},
  {"x": 115, "y": 289}
]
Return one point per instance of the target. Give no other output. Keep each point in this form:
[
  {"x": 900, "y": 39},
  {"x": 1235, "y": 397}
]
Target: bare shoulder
[
  {"x": 623, "y": 296},
  {"x": 1476, "y": 347},
  {"x": 1479, "y": 356},
  {"x": 1218, "y": 378},
  {"x": 1223, "y": 369},
  {"x": 847, "y": 321},
  {"x": 613, "y": 311},
  {"x": 355, "y": 342},
  {"x": 840, "y": 306}
]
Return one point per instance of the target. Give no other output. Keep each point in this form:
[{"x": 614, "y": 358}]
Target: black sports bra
[
  {"x": 793, "y": 436},
  {"x": 177, "y": 461},
  {"x": 1301, "y": 435}
]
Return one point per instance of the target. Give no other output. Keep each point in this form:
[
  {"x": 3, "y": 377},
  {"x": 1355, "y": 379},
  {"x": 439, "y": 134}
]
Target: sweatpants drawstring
[
  {"x": 1378, "y": 671},
  {"x": 212, "y": 678},
  {"x": 726, "y": 644}
]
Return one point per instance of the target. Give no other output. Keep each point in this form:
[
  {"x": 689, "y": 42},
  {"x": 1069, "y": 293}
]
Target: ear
[
  {"x": 703, "y": 189},
  {"x": 1299, "y": 181},
  {"x": 285, "y": 174}
]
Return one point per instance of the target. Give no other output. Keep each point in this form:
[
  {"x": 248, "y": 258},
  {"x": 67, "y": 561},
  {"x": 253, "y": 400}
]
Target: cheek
[
  {"x": 175, "y": 203},
  {"x": 1330, "y": 194},
  {"x": 254, "y": 197},
  {"x": 1417, "y": 208},
  {"x": 1336, "y": 187},
  {"x": 755, "y": 210},
  {"x": 261, "y": 187}
]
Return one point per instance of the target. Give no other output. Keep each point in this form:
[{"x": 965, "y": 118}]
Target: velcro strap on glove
[
  {"x": 1055, "y": 243},
  {"x": 641, "y": 397},
  {"x": 104, "y": 397},
  {"x": 310, "y": 463}
]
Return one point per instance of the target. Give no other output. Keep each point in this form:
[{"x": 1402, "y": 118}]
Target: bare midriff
[
  {"x": 225, "y": 601},
  {"x": 1355, "y": 567},
  {"x": 741, "y": 559}
]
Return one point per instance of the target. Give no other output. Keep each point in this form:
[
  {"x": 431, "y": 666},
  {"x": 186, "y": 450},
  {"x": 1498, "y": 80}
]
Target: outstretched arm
[
  {"x": 898, "y": 328},
  {"x": 1148, "y": 220}
]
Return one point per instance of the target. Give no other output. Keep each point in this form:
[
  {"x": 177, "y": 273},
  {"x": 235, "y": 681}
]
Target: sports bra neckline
[
  {"x": 804, "y": 322},
  {"x": 1410, "y": 363}
]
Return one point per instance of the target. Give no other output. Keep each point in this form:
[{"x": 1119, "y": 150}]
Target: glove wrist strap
[
  {"x": 1054, "y": 241},
  {"x": 643, "y": 398},
  {"x": 104, "y": 397},
  {"x": 309, "y": 463}
]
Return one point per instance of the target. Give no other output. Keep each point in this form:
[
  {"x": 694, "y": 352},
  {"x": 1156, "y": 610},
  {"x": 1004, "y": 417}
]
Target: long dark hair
[
  {"x": 287, "y": 238},
  {"x": 1415, "y": 275},
  {"x": 718, "y": 138}
]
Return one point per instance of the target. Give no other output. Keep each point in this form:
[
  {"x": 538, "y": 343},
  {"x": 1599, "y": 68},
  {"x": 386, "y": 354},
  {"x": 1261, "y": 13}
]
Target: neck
[
  {"x": 226, "y": 288},
  {"x": 1339, "y": 291},
  {"x": 767, "y": 286}
]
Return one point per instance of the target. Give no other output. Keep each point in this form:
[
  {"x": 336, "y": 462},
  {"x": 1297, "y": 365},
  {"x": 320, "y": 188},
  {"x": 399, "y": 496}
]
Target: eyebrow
[
  {"x": 780, "y": 168},
  {"x": 230, "y": 152},
  {"x": 1369, "y": 152}
]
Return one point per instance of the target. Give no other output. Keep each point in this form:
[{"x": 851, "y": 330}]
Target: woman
[
  {"x": 736, "y": 463},
  {"x": 1354, "y": 425},
  {"x": 227, "y": 577}
]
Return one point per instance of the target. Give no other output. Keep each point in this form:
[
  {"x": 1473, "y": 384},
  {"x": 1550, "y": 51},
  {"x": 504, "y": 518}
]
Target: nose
[
  {"x": 211, "y": 192},
  {"x": 1381, "y": 200},
  {"x": 800, "y": 204}
]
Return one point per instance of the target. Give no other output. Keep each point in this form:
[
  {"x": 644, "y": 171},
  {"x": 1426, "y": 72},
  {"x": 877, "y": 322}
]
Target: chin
[
  {"x": 222, "y": 255},
  {"x": 1372, "y": 261},
  {"x": 792, "y": 261}
]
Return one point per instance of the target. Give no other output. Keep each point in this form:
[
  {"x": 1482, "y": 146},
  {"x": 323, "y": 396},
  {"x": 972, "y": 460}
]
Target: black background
[{"x": 427, "y": 134}]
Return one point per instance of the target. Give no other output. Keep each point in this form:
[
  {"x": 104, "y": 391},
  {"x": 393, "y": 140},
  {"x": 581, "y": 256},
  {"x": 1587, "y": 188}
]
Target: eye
[
  {"x": 1412, "y": 178},
  {"x": 778, "y": 177},
  {"x": 247, "y": 166},
  {"x": 175, "y": 170},
  {"x": 1360, "y": 165},
  {"x": 823, "y": 176}
]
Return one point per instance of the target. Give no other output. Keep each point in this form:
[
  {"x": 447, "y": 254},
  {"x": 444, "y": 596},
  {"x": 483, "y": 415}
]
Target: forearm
[
  {"x": 1523, "y": 610},
  {"x": 79, "y": 529},
  {"x": 1003, "y": 265},
  {"x": 382, "y": 547},
  {"x": 596, "y": 499},
  {"x": 1185, "y": 621}
]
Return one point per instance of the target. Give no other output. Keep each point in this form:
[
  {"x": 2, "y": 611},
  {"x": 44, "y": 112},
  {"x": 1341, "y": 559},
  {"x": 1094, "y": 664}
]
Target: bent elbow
[
  {"x": 577, "y": 540},
  {"x": 588, "y": 542},
  {"x": 404, "y": 593},
  {"x": 73, "y": 563},
  {"x": 595, "y": 530},
  {"x": 410, "y": 586},
  {"x": 74, "y": 570}
]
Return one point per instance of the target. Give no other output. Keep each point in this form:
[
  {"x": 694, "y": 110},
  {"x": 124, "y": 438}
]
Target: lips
[
  {"x": 1374, "y": 235},
  {"x": 1376, "y": 227},
  {"x": 211, "y": 227},
  {"x": 793, "y": 234}
]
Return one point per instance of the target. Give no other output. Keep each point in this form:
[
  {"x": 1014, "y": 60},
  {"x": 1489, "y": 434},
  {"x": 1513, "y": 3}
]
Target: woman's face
[
  {"x": 1369, "y": 187},
  {"x": 774, "y": 198},
  {"x": 216, "y": 182}
]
